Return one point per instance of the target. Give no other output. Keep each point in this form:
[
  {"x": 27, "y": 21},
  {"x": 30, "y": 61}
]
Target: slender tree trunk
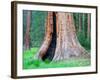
[
  {"x": 79, "y": 22},
  {"x": 67, "y": 42},
  {"x": 27, "y": 36},
  {"x": 83, "y": 27},
  {"x": 48, "y": 36},
  {"x": 88, "y": 30}
]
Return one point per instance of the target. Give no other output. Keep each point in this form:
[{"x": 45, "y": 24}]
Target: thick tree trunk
[
  {"x": 27, "y": 37},
  {"x": 67, "y": 42},
  {"x": 48, "y": 36}
]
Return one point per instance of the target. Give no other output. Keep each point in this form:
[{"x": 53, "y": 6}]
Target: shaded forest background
[{"x": 34, "y": 32}]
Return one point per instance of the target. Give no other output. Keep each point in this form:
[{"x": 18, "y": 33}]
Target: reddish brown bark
[
  {"x": 27, "y": 37},
  {"x": 67, "y": 42},
  {"x": 48, "y": 36}
]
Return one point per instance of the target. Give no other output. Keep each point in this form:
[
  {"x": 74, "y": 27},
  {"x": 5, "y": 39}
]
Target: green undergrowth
[{"x": 30, "y": 63}]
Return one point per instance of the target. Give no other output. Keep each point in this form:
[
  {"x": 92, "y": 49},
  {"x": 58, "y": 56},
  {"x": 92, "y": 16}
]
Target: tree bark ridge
[{"x": 67, "y": 42}]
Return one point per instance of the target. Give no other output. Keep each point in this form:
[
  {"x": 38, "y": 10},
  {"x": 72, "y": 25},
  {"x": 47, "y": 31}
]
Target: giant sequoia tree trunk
[
  {"x": 48, "y": 36},
  {"x": 67, "y": 42}
]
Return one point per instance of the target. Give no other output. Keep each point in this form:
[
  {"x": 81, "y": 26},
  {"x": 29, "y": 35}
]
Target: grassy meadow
[{"x": 30, "y": 63}]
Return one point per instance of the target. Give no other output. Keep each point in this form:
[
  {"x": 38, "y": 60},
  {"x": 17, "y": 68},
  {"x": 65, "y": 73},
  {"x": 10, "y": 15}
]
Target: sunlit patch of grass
[
  {"x": 66, "y": 63},
  {"x": 30, "y": 63},
  {"x": 28, "y": 56}
]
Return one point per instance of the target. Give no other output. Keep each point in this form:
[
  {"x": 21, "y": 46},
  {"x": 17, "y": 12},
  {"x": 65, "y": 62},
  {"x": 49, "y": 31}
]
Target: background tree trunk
[
  {"x": 88, "y": 30},
  {"x": 48, "y": 36},
  {"x": 83, "y": 25},
  {"x": 67, "y": 42},
  {"x": 79, "y": 22},
  {"x": 27, "y": 37}
]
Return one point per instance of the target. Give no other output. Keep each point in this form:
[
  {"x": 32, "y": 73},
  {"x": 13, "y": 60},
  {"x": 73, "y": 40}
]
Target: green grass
[
  {"x": 30, "y": 63},
  {"x": 28, "y": 56}
]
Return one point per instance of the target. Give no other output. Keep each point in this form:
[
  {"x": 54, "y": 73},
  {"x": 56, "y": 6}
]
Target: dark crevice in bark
[{"x": 51, "y": 50}]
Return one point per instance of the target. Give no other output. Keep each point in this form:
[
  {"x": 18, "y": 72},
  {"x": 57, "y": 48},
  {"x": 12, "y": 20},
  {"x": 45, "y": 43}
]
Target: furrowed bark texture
[
  {"x": 67, "y": 42},
  {"x": 48, "y": 36}
]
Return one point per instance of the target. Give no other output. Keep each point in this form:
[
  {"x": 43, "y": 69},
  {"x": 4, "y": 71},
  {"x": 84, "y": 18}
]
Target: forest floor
[{"x": 30, "y": 63}]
